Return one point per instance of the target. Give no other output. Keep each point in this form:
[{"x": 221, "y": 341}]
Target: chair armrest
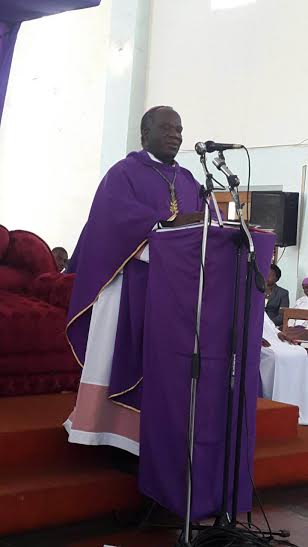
[
  {"x": 43, "y": 284},
  {"x": 55, "y": 288},
  {"x": 62, "y": 290},
  {"x": 293, "y": 313}
]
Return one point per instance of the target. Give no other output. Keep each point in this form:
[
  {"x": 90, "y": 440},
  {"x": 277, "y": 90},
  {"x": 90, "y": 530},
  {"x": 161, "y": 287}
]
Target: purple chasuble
[{"x": 129, "y": 202}]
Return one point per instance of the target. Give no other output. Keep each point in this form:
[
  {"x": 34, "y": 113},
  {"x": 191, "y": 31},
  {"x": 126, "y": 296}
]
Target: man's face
[
  {"x": 305, "y": 289},
  {"x": 163, "y": 137},
  {"x": 61, "y": 259},
  {"x": 271, "y": 280}
]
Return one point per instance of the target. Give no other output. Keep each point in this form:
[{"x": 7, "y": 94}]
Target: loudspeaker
[{"x": 277, "y": 211}]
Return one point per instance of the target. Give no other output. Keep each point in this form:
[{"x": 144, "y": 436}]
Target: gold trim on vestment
[
  {"x": 73, "y": 351},
  {"x": 92, "y": 304},
  {"x": 125, "y": 390},
  {"x": 126, "y": 406},
  {"x": 99, "y": 292}
]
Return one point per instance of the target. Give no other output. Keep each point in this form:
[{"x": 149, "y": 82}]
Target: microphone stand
[
  {"x": 224, "y": 518},
  {"x": 206, "y": 192},
  {"x": 233, "y": 183},
  {"x": 224, "y": 522}
]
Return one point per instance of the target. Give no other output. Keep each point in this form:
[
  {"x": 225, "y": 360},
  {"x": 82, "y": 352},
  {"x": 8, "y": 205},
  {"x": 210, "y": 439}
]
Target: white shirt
[
  {"x": 301, "y": 304},
  {"x": 156, "y": 159}
]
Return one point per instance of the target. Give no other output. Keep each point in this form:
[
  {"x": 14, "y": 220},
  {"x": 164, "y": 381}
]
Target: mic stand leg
[
  {"x": 195, "y": 373},
  {"x": 224, "y": 519},
  {"x": 206, "y": 193},
  {"x": 217, "y": 211}
]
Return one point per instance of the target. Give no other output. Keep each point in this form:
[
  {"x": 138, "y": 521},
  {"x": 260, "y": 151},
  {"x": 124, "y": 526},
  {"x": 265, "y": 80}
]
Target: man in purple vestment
[{"x": 106, "y": 315}]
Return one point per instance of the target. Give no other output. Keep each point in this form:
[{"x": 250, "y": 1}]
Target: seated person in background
[
  {"x": 275, "y": 297},
  {"x": 61, "y": 258},
  {"x": 284, "y": 369},
  {"x": 302, "y": 304}
]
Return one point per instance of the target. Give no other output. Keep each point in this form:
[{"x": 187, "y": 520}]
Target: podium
[{"x": 168, "y": 341}]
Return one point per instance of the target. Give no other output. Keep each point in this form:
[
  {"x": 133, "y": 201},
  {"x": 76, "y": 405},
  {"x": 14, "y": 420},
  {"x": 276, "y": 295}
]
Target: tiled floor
[{"x": 285, "y": 509}]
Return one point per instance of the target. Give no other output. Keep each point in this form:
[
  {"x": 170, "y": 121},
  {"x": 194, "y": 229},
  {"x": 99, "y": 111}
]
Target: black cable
[
  {"x": 250, "y": 526},
  {"x": 250, "y": 474},
  {"x": 212, "y": 176},
  {"x": 281, "y": 255},
  {"x": 234, "y": 537},
  {"x": 217, "y": 182},
  {"x": 248, "y": 184},
  {"x": 210, "y": 216}
]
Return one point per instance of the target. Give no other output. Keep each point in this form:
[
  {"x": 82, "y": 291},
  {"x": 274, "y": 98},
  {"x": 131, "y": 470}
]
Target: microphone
[
  {"x": 211, "y": 146},
  {"x": 200, "y": 148}
]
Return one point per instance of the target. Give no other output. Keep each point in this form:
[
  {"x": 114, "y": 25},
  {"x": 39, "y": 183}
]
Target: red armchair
[{"x": 34, "y": 354}]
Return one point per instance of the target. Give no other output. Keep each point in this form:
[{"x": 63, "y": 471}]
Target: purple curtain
[
  {"x": 12, "y": 13},
  {"x": 16, "y": 11},
  {"x": 8, "y": 35}
]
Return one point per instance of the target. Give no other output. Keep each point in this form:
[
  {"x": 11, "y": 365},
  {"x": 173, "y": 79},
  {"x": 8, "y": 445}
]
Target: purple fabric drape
[
  {"x": 168, "y": 345},
  {"x": 12, "y": 13},
  {"x": 8, "y": 35}
]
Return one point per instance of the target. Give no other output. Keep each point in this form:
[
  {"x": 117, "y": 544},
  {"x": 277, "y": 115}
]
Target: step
[
  {"x": 31, "y": 431},
  {"x": 34, "y": 411},
  {"x": 46, "y": 481},
  {"x": 281, "y": 463},
  {"x": 51, "y": 497},
  {"x": 276, "y": 421}
]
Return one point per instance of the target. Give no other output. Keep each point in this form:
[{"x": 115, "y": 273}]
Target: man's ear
[{"x": 144, "y": 134}]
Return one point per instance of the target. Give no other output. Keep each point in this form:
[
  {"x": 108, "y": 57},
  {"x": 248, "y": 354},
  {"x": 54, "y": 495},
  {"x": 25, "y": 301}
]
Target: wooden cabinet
[{"x": 224, "y": 198}]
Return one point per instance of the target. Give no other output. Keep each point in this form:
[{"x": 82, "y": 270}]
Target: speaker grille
[{"x": 276, "y": 211}]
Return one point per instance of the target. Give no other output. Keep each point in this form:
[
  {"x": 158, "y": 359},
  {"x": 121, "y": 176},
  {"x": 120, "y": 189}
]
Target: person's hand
[
  {"x": 285, "y": 338},
  {"x": 265, "y": 343},
  {"x": 185, "y": 218}
]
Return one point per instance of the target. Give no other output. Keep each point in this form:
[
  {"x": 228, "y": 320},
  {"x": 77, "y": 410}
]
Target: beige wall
[
  {"x": 50, "y": 138},
  {"x": 236, "y": 75}
]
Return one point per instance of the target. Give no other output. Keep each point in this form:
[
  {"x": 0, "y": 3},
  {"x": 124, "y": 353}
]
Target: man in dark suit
[{"x": 275, "y": 297}]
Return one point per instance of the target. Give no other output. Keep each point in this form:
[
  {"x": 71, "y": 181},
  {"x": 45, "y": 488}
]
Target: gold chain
[{"x": 174, "y": 206}]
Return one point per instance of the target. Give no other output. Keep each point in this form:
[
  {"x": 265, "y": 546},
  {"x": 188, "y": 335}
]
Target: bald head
[
  {"x": 161, "y": 133},
  {"x": 61, "y": 258}
]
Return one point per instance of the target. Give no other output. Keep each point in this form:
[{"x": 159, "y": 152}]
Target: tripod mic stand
[
  {"x": 224, "y": 528},
  {"x": 233, "y": 183},
  {"x": 224, "y": 520},
  {"x": 225, "y": 531}
]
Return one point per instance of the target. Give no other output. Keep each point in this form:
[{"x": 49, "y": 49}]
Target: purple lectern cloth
[
  {"x": 129, "y": 202},
  {"x": 168, "y": 345}
]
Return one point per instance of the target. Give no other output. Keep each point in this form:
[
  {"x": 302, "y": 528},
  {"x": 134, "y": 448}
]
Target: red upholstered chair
[{"x": 34, "y": 354}]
